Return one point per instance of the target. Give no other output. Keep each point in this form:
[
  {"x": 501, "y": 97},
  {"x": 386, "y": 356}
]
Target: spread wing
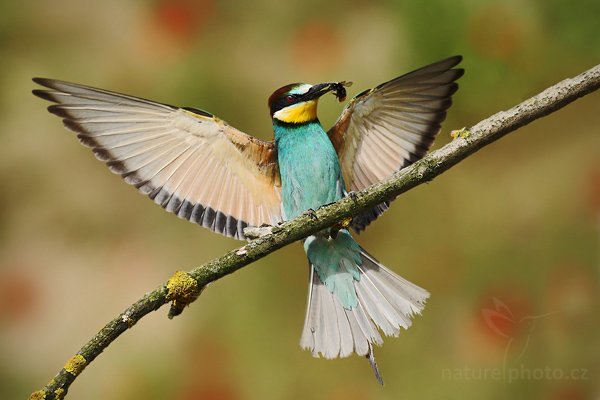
[
  {"x": 188, "y": 161},
  {"x": 391, "y": 126}
]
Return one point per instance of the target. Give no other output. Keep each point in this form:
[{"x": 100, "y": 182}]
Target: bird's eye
[{"x": 289, "y": 98}]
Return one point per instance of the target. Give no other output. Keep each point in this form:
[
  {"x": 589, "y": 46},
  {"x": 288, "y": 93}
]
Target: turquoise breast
[{"x": 309, "y": 167}]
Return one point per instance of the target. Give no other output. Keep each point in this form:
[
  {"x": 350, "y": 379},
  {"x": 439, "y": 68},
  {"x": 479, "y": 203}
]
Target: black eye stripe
[
  {"x": 285, "y": 101},
  {"x": 284, "y": 97}
]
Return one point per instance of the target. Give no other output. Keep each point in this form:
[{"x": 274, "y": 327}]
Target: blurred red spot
[
  {"x": 500, "y": 319},
  {"x": 316, "y": 46},
  {"x": 495, "y": 32},
  {"x": 18, "y": 295},
  {"x": 502, "y": 310},
  {"x": 183, "y": 19}
]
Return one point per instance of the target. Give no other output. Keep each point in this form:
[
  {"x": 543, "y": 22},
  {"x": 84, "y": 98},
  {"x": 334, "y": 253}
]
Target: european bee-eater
[{"x": 200, "y": 168}]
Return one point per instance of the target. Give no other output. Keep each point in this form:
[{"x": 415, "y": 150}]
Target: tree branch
[{"x": 184, "y": 287}]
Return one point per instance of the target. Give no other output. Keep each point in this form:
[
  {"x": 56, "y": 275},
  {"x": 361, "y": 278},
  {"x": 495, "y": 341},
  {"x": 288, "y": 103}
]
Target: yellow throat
[{"x": 298, "y": 113}]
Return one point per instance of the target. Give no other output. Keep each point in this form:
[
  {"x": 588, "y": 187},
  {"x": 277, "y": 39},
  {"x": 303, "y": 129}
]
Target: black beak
[{"x": 320, "y": 89}]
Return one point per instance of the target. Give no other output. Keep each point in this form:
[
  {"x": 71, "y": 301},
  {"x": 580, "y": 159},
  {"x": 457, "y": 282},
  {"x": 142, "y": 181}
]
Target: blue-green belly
[
  {"x": 309, "y": 168},
  {"x": 311, "y": 177}
]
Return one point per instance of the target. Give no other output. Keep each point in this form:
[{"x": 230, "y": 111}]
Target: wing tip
[
  {"x": 47, "y": 82},
  {"x": 459, "y": 72},
  {"x": 454, "y": 60},
  {"x": 60, "y": 93},
  {"x": 58, "y": 110},
  {"x": 43, "y": 94},
  {"x": 41, "y": 81}
]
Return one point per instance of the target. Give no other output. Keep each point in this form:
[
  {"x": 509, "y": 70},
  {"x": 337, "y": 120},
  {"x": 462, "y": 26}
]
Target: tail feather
[
  {"x": 345, "y": 330},
  {"x": 404, "y": 295},
  {"x": 386, "y": 301},
  {"x": 358, "y": 343},
  {"x": 377, "y": 306},
  {"x": 367, "y": 330},
  {"x": 331, "y": 337}
]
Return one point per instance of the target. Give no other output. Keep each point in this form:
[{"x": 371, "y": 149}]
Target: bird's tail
[{"x": 334, "y": 328}]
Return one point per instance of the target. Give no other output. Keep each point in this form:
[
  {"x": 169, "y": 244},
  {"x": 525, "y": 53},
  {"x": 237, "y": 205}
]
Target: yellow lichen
[
  {"x": 460, "y": 133},
  {"x": 75, "y": 365},
  {"x": 39, "y": 395},
  {"x": 182, "y": 290},
  {"x": 60, "y": 393},
  {"x": 182, "y": 287}
]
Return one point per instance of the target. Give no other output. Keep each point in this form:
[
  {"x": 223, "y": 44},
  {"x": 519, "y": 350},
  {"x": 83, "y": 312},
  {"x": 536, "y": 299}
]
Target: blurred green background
[{"x": 510, "y": 233}]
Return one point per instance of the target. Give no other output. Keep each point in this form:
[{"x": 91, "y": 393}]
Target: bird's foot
[
  {"x": 352, "y": 194},
  {"x": 311, "y": 213}
]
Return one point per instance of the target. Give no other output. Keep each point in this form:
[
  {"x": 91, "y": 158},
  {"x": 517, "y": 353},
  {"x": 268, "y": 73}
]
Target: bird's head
[{"x": 297, "y": 103}]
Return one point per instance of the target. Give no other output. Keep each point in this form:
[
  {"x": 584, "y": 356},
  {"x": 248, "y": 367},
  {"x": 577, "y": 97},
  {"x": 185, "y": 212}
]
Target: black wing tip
[
  {"x": 59, "y": 111},
  {"x": 44, "y": 95},
  {"x": 454, "y": 60},
  {"x": 41, "y": 81},
  {"x": 447, "y": 64},
  {"x": 459, "y": 72},
  {"x": 443, "y": 64},
  {"x": 452, "y": 88},
  {"x": 46, "y": 82}
]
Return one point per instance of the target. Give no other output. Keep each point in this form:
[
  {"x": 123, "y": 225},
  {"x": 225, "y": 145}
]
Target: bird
[{"x": 198, "y": 167}]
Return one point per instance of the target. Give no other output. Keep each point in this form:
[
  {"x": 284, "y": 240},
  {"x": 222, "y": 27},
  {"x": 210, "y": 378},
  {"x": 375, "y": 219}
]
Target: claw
[
  {"x": 311, "y": 213},
  {"x": 352, "y": 194}
]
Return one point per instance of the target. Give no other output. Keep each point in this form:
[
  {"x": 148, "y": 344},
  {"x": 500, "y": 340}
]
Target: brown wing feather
[
  {"x": 186, "y": 160},
  {"x": 384, "y": 129}
]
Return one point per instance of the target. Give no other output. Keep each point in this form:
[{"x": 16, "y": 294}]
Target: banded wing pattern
[
  {"x": 387, "y": 128},
  {"x": 188, "y": 161}
]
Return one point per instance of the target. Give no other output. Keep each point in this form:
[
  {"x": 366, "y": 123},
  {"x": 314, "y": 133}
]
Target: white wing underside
[{"x": 189, "y": 162}]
